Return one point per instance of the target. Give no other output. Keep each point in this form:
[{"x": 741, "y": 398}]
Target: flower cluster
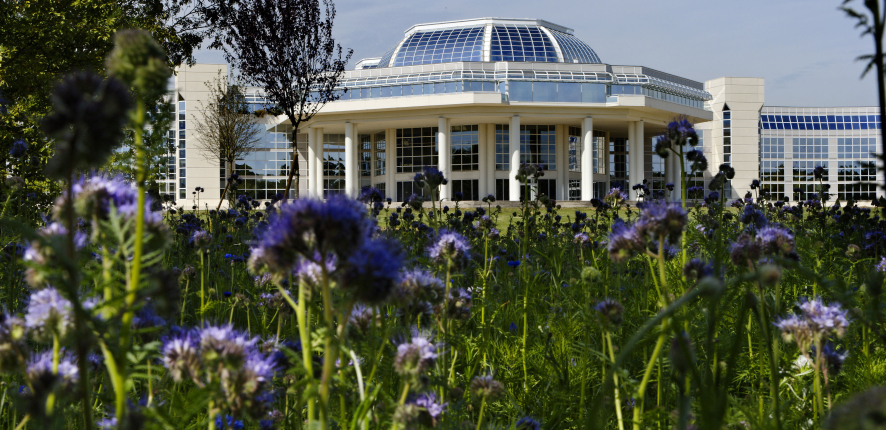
[
  {"x": 658, "y": 221},
  {"x": 415, "y": 358},
  {"x": 224, "y": 358},
  {"x": 450, "y": 247},
  {"x": 816, "y": 322}
]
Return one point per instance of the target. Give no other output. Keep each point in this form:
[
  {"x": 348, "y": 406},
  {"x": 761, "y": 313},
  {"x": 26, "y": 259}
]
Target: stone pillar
[
  {"x": 641, "y": 150},
  {"x": 390, "y": 163},
  {"x": 482, "y": 160},
  {"x": 317, "y": 174},
  {"x": 587, "y": 159},
  {"x": 351, "y": 171},
  {"x": 632, "y": 160},
  {"x": 444, "y": 161},
  {"x": 514, "y": 143},
  {"x": 606, "y": 166},
  {"x": 561, "y": 155},
  {"x": 312, "y": 162},
  {"x": 488, "y": 169}
]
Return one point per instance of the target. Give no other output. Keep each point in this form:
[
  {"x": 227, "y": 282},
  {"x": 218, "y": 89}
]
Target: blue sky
[{"x": 805, "y": 50}]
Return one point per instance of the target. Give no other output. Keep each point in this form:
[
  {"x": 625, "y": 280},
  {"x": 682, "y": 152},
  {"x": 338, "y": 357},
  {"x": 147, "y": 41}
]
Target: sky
[{"x": 805, "y": 50}]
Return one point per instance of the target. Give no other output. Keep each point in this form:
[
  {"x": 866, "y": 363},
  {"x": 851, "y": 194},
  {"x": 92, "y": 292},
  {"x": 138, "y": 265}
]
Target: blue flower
[
  {"x": 528, "y": 423},
  {"x": 232, "y": 424},
  {"x": 308, "y": 228},
  {"x": 19, "y": 149},
  {"x": 513, "y": 327},
  {"x": 49, "y": 314},
  {"x": 514, "y": 263},
  {"x": 450, "y": 247},
  {"x": 428, "y": 401},
  {"x": 372, "y": 272}
]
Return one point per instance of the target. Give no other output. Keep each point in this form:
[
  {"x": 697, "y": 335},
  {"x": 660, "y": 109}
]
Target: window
[
  {"x": 381, "y": 187},
  {"x": 502, "y": 189},
  {"x": 502, "y": 149},
  {"x": 575, "y": 144},
  {"x": 465, "y": 148},
  {"x": 618, "y": 163},
  {"x": 416, "y": 148},
  {"x": 575, "y": 189},
  {"x": 812, "y": 147},
  {"x": 469, "y": 189},
  {"x": 334, "y": 157},
  {"x": 547, "y": 187},
  {"x": 727, "y": 137},
  {"x": 333, "y": 186},
  {"x": 538, "y": 145},
  {"x": 365, "y": 155},
  {"x": 599, "y": 152},
  {"x": 379, "y": 154},
  {"x": 405, "y": 189}
]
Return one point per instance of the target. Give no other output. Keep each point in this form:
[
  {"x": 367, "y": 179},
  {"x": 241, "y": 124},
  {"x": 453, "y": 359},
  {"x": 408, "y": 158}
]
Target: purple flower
[
  {"x": 881, "y": 266},
  {"x": 231, "y": 423},
  {"x": 40, "y": 368},
  {"x": 181, "y": 356},
  {"x": 776, "y": 241},
  {"x": 581, "y": 239},
  {"x": 624, "y": 243},
  {"x": 419, "y": 285},
  {"x": 310, "y": 228},
  {"x": 696, "y": 269},
  {"x": 415, "y": 357},
  {"x": 450, "y": 247},
  {"x": 19, "y": 149},
  {"x": 486, "y": 387},
  {"x": 98, "y": 195},
  {"x": 825, "y": 319},
  {"x": 610, "y": 312},
  {"x": 527, "y": 423},
  {"x": 460, "y": 303},
  {"x": 201, "y": 239},
  {"x": 659, "y": 219},
  {"x": 428, "y": 401},
  {"x": 372, "y": 272},
  {"x": 49, "y": 314}
]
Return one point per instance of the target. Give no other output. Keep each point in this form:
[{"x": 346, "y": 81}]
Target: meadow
[{"x": 121, "y": 312}]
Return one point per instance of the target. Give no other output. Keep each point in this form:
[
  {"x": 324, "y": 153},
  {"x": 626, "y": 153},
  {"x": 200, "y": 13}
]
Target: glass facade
[
  {"x": 469, "y": 189},
  {"x": 574, "y": 154},
  {"x": 416, "y": 148},
  {"x": 182, "y": 134},
  {"x": 380, "y": 155},
  {"x": 841, "y": 140},
  {"x": 441, "y": 46},
  {"x": 465, "y": 148},
  {"x": 538, "y": 144},
  {"x": 502, "y": 148},
  {"x": 618, "y": 163}
]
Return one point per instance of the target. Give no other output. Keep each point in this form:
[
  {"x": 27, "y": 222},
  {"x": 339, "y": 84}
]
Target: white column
[
  {"x": 312, "y": 163},
  {"x": 482, "y": 159},
  {"x": 489, "y": 168},
  {"x": 390, "y": 163},
  {"x": 444, "y": 161},
  {"x": 587, "y": 159},
  {"x": 317, "y": 174},
  {"x": 514, "y": 143},
  {"x": 632, "y": 160},
  {"x": 351, "y": 173},
  {"x": 562, "y": 159},
  {"x": 641, "y": 153},
  {"x": 606, "y": 166}
]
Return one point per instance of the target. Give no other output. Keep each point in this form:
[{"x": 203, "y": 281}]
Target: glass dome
[{"x": 489, "y": 39}]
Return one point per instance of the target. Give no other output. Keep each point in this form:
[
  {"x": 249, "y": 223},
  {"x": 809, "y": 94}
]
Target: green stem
[
  {"x": 482, "y": 409},
  {"x": 621, "y": 425},
  {"x": 641, "y": 391}
]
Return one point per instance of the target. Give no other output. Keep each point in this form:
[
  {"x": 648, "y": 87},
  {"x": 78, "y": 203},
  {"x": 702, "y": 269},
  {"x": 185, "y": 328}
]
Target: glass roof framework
[
  {"x": 521, "y": 43},
  {"x": 441, "y": 46},
  {"x": 573, "y": 49}
]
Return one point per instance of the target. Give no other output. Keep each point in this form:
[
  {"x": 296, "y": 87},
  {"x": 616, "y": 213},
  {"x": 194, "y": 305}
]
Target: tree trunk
[
  {"x": 881, "y": 85},
  {"x": 293, "y": 170},
  {"x": 227, "y": 184}
]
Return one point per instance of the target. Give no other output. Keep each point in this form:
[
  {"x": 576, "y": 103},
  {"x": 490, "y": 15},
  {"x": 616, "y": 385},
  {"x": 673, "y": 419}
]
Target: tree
[
  {"x": 226, "y": 131},
  {"x": 42, "y": 40},
  {"x": 287, "y": 48},
  {"x": 873, "y": 24}
]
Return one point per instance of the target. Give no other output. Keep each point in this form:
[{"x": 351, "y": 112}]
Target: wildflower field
[{"x": 124, "y": 313}]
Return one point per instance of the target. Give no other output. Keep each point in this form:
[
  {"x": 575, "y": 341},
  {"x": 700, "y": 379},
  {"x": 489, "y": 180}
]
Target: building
[{"x": 454, "y": 95}]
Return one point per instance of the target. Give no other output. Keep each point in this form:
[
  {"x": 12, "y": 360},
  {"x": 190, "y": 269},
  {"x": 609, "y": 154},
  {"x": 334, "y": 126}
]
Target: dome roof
[{"x": 489, "y": 39}]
